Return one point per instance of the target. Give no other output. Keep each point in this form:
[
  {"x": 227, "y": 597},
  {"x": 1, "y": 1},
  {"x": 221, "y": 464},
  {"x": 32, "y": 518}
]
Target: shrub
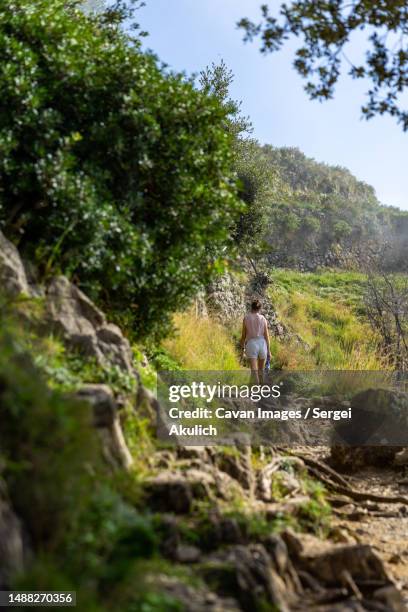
[{"x": 112, "y": 170}]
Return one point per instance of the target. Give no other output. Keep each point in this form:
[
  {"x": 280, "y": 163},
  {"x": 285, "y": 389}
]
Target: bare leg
[
  {"x": 261, "y": 368},
  {"x": 254, "y": 371}
]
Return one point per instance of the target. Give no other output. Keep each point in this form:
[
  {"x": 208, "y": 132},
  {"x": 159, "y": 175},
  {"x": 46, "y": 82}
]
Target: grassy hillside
[
  {"x": 326, "y": 311},
  {"x": 203, "y": 344}
]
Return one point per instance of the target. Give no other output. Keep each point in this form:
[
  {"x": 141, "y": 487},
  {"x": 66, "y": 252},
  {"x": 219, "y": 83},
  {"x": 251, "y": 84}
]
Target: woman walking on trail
[{"x": 255, "y": 340}]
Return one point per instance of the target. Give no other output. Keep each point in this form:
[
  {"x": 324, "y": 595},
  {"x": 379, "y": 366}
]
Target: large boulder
[
  {"x": 13, "y": 278},
  {"x": 107, "y": 423},
  {"x": 84, "y": 327},
  {"x": 377, "y": 431}
]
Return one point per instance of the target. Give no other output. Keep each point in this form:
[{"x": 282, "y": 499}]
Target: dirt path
[{"x": 383, "y": 526}]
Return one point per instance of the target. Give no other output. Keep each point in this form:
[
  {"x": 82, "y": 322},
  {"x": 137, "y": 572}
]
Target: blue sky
[{"x": 190, "y": 34}]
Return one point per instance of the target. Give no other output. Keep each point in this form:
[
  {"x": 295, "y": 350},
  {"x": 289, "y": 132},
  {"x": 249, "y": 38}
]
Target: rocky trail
[
  {"x": 360, "y": 564},
  {"x": 382, "y": 525}
]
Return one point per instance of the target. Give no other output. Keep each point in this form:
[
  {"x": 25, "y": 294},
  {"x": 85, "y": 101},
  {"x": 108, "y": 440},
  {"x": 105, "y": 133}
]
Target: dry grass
[
  {"x": 328, "y": 318},
  {"x": 202, "y": 344}
]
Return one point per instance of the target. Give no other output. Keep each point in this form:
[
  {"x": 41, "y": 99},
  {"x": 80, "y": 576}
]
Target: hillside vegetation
[
  {"x": 325, "y": 310},
  {"x": 321, "y": 215},
  {"x": 125, "y": 189}
]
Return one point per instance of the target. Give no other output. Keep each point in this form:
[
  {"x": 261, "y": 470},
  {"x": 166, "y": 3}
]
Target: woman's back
[{"x": 255, "y": 324}]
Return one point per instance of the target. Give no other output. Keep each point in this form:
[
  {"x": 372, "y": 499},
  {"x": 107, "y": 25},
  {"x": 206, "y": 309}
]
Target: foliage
[
  {"x": 386, "y": 303},
  {"x": 326, "y": 311},
  {"x": 325, "y": 28},
  {"x": 256, "y": 179},
  {"x": 258, "y": 185},
  {"x": 51, "y": 465},
  {"x": 202, "y": 344},
  {"x": 321, "y": 210},
  {"x": 112, "y": 170},
  {"x": 216, "y": 80}
]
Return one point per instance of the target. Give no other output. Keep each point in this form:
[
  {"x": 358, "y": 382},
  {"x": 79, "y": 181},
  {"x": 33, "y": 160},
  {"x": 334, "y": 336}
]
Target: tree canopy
[
  {"x": 325, "y": 27},
  {"x": 112, "y": 170}
]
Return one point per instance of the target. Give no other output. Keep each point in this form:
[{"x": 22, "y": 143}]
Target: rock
[
  {"x": 304, "y": 545},
  {"x": 247, "y": 573},
  {"x": 187, "y": 554},
  {"x": 189, "y": 598},
  {"x": 401, "y": 458},
  {"x": 193, "y": 452},
  {"x": 225, "y": 299},
  {"x": 103, "y": 403},
  {"x": 238, "y": 465},
  {"x": 170, "y": 539},
  {"x": 148, "y": 407},
  {"x": 13, "y": 548},
  {"x": 115, "y": 347},
  {"x": 226, "y": 487},
  {"x": 278, "y": 551},
  {"x": 84, "y": 327},
  {"x": 391, "y": 598},
  {"x": 227, "y": 530},
  {"x": 359, "y": 560},
  {"x": 107, "y": 422},
  {"x": 379, "y": 416},
  {"x": 351, "y": 459},
  {"x": 175, "y": 491},
  {"x": 376, "y": 433},
  {"x": 13, "y": 277}
]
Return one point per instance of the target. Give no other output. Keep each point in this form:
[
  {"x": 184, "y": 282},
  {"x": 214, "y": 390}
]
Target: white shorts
[{"x": 256, "y": 348}]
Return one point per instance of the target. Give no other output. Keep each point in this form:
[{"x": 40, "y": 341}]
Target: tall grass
[
  {"x": 326, "y": 311},
  {"x": 202, "y": 344}
]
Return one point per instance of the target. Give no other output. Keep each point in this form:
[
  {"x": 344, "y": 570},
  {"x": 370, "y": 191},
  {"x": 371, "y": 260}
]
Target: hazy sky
[{"x": 190, "y": 34}]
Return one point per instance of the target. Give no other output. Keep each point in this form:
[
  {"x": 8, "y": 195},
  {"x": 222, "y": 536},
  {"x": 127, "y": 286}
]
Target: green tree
[
  {"x": 325, "y": 28},
  {"x": 111, "y": 170},
  {"x": 256, "y": 179}
]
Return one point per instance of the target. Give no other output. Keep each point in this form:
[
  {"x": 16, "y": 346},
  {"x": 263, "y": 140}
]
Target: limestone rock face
[
  {"x": 256, "y": 290},
  {"x": 84, "y": 327},
  {"x": 225, "y": 299},
  {"x": 13, "y": 278}
]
